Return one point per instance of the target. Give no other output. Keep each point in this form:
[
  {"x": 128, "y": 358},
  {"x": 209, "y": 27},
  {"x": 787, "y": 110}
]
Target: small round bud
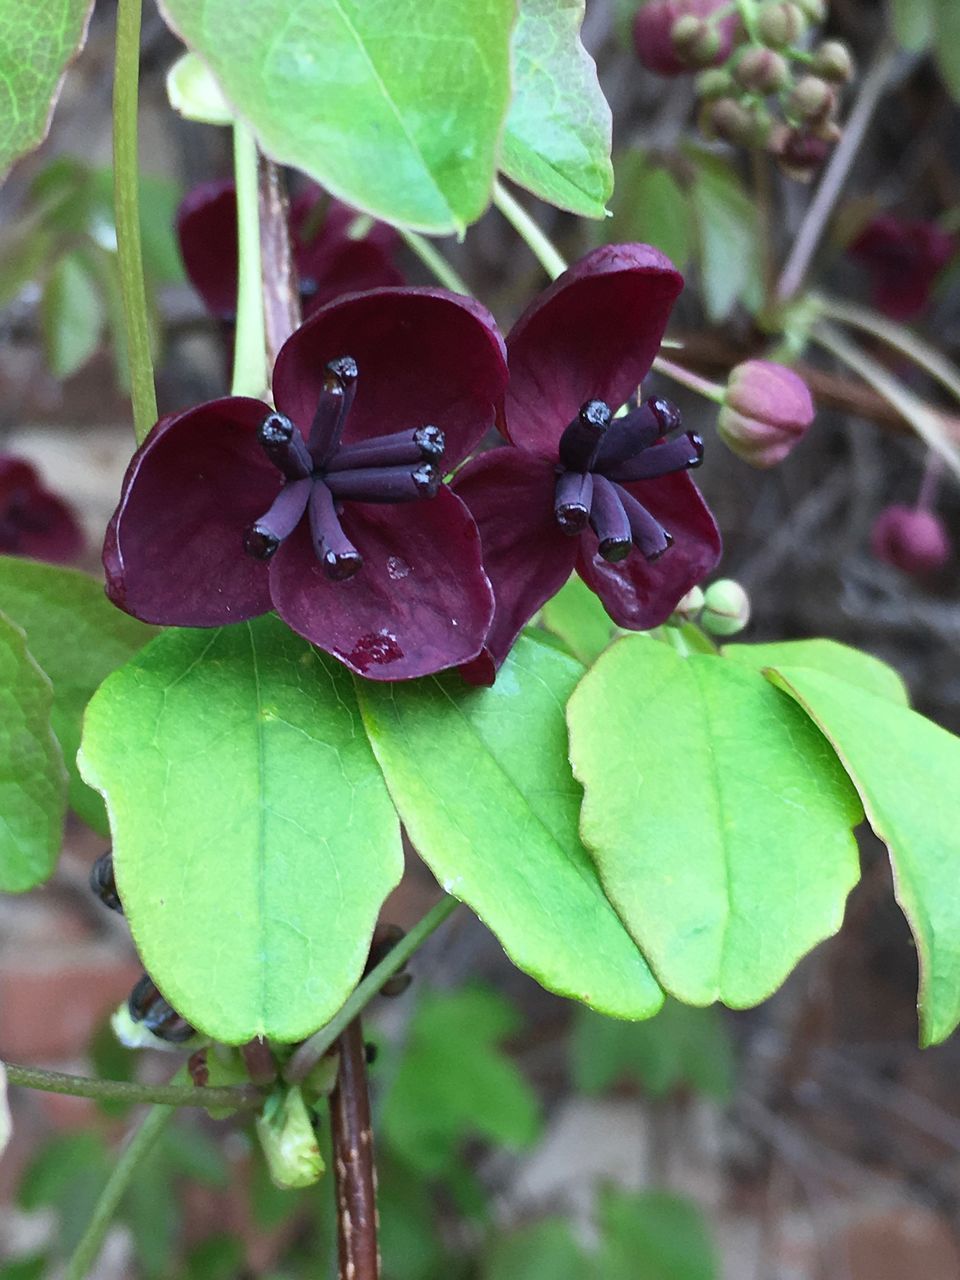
[
  {"x": 912, "y": 540},
  {"x": 653, "y": 29},
  {"x": 726, "y": 608},
  {"x": 715, "y": 83},
  {"x": 728, "y": 119},
  {"x": 686, "y": 32},
  {"x": 812, "y": 100},
  {"x": 834, "y": 62},
  {"x": 288, "y": 1141},
  {"x": 689, "y": 606},
  {"x": 780, "y": 25},
  {"x": 761, "y": 71},
  {"x": 813, "y": 10},
  {"x": 766, "y": 411},
  {"x": 799, "y": 153}
]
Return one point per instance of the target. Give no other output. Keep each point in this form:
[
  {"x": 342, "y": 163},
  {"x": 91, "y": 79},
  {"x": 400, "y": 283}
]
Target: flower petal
[
  {"x": 420, "y": 603},
  {"x": 207, "y": 230},
  {"x": 592, "y": 334},
  {"x": 329, "y": 262},
  {"x": 639, "y": 593},
  {"x": 425, "y": 357},
  {"x": 173, "y": 553},
  {"x": 527, "y": 556},
  {"x": 33, "y": 521}
]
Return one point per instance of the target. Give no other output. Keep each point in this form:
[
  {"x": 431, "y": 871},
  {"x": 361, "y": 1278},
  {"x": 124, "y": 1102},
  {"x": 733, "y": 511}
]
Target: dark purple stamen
[
  {"x": 336, "y": 397},
  {"x": 628, "y": 436},
  {"x": 649, "y": 536},
  {"x": 406, "y": 447},
  {"x": 680, "y": 454},
  {"x": 264, "y": 536},
  {"x": 384, "y": 484},
  {"x": 283, "y": 444},
  {"x": 609, "y": 522},
  {"x": 582, "y": 439},
  {"x": 335, "y": 551},
  {"x": 572, "y": 499}
]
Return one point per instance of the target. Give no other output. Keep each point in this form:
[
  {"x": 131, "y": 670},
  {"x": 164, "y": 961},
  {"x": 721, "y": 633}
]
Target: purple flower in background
[
  {"x": 654, "y": 31},
  {"x": 580, "y": 488},
  {"x": 329, "y": 261},
  {"x": 904, "y": 257},
  {"x": 329, "y": 509},
  {"x": 912, "y": 539},
  {"x": 33, "y": 521}
]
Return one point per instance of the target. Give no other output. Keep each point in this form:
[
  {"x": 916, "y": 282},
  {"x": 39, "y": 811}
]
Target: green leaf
[
  {"x": 71, "y": 314},
  {"x": 482, "y": 784},
  {"x": 559, "y": 129},
  {"x": 650, "y": 206},
  {"x": 544, "y": 1250},
  {"x": 39, "y": 41},
  {"x": 905, "y": 769},
  {"x": 67, "y": 1175},
  {"x": 853, "y": 666},
  {"x": 78, "y": 637},
  {"x": 719, "y": 819},
  {"x": 914, "y": 22},
  {"x": 33, "y": 781},
  {"x": 728, "y": 234},
  {"x": 682, "y": 1047},
  {"x": 577, "y": 617},
  {"x": 392, "y": 105},
  {"x": 947, "y": 43},
  {"x": 453, "y": 1082},
  {"x": 409, "y": 1235},
  {"x": 253, "y": 838},
  {"x": 654, "y": 1236}
]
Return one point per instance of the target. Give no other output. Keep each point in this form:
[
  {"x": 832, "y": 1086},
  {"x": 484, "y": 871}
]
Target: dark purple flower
[
  {"x": 655, "y": 27},
  {"x": 329, "y": 261},
  {"x": 579, "y": 488},
  {"x": 913, "y": 540},
  {"x": 904, "y": 258},
  {"x": 329, "y": 509},
  {"x": 33, "y": 521}
]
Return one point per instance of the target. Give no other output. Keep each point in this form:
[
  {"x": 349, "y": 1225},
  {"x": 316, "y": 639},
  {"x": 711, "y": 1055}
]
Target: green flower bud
[
  {"x": 288, "y": 1140},
  {"x": 814, "y": 10},
  {"x": 689, "y": 606},
  {"x": 686, "y": 31},
  {"x": 761, "y": 71},
  {"x": 726, "y": 608},
  {"x": 728, "y": 119},
  {"x": 812, "y": 99},
  {"x": 781, "y": 25},
  {"x": 834, "y": 62},
  {"x": 714, "y": 83}
]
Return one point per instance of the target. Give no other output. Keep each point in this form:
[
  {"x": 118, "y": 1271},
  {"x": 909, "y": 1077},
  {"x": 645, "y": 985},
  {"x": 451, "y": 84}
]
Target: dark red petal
[
  {"x": 207, "y": 229},
  {"x": 425, "y": 356},
  {"x": 329, "y": 262},
  {"x": 639, "y": 593},
  {"x": 592, "y": 335},
  {"x": 174, "y": 547},
  {"x": 420, "y": 603},
  {"x": 33, "y": 521},
  {"x": 526, "y": 555}
]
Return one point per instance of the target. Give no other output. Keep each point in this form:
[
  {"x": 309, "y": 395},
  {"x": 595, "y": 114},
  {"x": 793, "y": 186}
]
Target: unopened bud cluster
[{"x": 771, "y": 87}]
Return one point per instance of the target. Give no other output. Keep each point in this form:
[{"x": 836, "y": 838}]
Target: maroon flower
[
  {"x": 580, "y": 488},
  {"x": 329, "y": 509},
  {"x": 911, "y": 539},
  {"x": 33, "y": 521},
  {"x": 329, "y": 261},
  {"x": 655, "y": 28},
  {"x": 904, "y": 258}
]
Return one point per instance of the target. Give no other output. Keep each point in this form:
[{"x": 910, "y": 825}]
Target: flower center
[
  {"x": 600, "y": 454},
  {"x": 321, "y": 474}
]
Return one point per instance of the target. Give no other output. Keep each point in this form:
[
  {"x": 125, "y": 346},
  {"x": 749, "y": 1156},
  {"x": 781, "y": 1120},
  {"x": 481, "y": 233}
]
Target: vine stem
[
  {"x": 126, "y": 204},
  {"x": 687, "y": 378},
  {"x": 242, "y": 1098},
  {"x": 835, "y": 175},
  {"x": 249, "y": 350},
  {"x": 353, "y": 1162},
  {"x": 435, "y": 262},
  {"x": 281, "y": 293},
  {"x": 140, "y": 1144},
  {"x": 540, "y": 245},
  {"x": 306, "y": 1057}
]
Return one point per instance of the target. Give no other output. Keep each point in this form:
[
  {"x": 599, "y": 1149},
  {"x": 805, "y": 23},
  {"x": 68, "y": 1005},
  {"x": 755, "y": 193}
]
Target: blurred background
[{"x": 519, "y": 1137}]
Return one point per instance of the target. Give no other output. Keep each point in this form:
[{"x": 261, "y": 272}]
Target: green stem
[
  {"x": 311, "y": 1051},
  {"x": 126, "y": 203},
  {"x": 141, "y": 1142},
  {"x": 896, "y": 336},
  {"x": 243, "y": 1098},
  {"x": 435, "y": 262},
  {"x": 925, "y": 421},
  {"x": 249, "y": 350},
  {"x": 703, "y": 387},
  {"x": 540, "y": 245}
]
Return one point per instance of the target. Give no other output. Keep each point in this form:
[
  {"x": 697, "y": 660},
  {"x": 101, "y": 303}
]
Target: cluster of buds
[{"x": 763, "y": 84}]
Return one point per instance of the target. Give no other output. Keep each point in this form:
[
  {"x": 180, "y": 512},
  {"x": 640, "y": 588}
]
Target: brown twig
[
  {"x": 354, "y": 1172},
  {"x": 281, "y": 295}
]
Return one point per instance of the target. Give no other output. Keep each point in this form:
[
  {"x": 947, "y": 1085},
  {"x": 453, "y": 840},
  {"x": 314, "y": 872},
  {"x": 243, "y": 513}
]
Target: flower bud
[
  {"x": 766, "y": 411},
  {"x": 813, "y": 10},
  {"x": 761, "y": 71},
  {"x": 834, "y": 62},
  {"x": 715, "y": 83},
  {"x": 697, "y": 46},
  {"x": 288, "y": 1141},
  {"x": 729, "y": 119},
  {"x": 780, "y": 25},
  {"x": 799, "y": 153},
  {"x": 912, "y": 540},
  {"x": 689, "y": 606},
  {"x": 812, "y": 100},
  {"x": 726, "y": 608},
  {"x": 653, "y": 30}
]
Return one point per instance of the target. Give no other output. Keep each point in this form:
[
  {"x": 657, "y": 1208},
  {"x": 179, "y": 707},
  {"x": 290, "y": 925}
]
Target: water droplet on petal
[
  {"x": 375, "y": 649},
  {"x": 397, "y": 569}
]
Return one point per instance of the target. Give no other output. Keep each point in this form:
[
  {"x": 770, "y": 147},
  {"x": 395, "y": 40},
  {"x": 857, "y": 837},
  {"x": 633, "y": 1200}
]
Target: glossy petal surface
[
  {"x": 420, "y": 603},
  {"x": 638, "y": 593},
  {"x": 425, "y": 356},
  {"x": 174, "y": 548},
  {"x": 592, "y": 334}
]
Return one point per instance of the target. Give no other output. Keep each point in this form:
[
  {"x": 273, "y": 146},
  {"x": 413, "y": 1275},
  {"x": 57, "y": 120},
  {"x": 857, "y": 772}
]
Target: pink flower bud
[
  {"x": 912, "y": 540},
  {"x": 766, "y": 411},
  {"x": 653, "y": 29}
]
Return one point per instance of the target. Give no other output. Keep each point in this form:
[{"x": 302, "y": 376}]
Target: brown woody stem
[
  {"x": 354, "y": 1172},
  {"x": 281, "y": 289}
]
